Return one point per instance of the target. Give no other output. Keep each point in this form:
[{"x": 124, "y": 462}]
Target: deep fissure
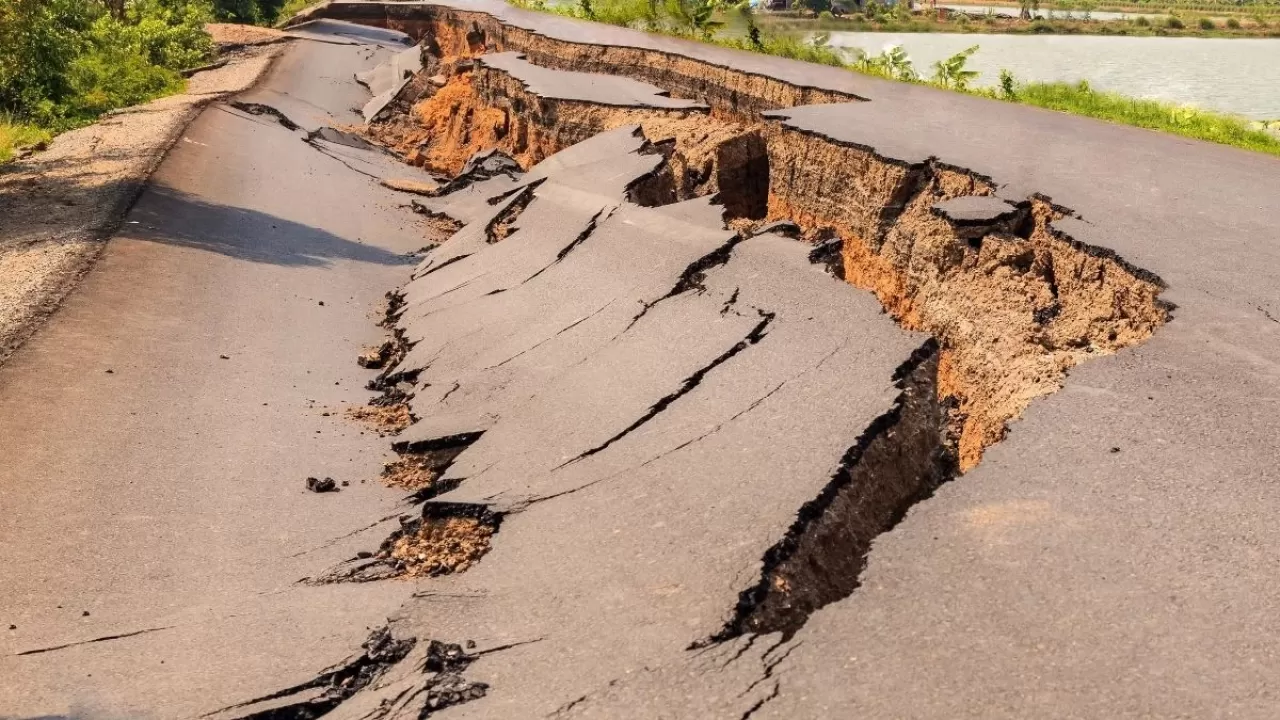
[{"x": 900, "y": 459}]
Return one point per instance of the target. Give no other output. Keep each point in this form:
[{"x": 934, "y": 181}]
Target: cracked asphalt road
[{"x": 647, "y": 401}]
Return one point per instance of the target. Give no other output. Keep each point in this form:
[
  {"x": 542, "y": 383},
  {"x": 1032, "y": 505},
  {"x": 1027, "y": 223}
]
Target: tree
[
  {"x": 1028, "y": 7},
  {"x": 40, "y": 41}
]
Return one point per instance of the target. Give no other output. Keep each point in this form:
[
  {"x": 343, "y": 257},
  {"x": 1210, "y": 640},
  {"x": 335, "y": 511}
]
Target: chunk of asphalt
[
  {"x": 316, "y": 485},
  {"x": 598, "y": 89},
  {"x": 975, "y": 209}
]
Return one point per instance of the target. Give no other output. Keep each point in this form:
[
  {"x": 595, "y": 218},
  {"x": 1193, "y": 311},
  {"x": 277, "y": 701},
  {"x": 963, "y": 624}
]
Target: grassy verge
[
  {"x": 1182, "y": 26},
  {"x": 16, "y": 136},
  {"x": 1080, "y": 99},
  {"x": 737, "y": 27},
  {"x": 291, "y": 8}
]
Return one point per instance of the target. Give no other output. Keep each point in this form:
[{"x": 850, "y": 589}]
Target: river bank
[
  {"x": 981, "y": 22},
  {"x": 1230, "y": 76}
]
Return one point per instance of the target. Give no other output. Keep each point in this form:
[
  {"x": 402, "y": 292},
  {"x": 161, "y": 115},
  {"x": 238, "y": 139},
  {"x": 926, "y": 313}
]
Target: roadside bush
[
  {"x": 64, "y": 62},
  {"x": 826, "y": 15},
  {"x": 16, "y": 135},
  {"x": 1142, "y": 21},
  {"x": 1175, "y": 23},
  {"x": 1207, "y": 24},
  {"x": 1233, "y": 23}
]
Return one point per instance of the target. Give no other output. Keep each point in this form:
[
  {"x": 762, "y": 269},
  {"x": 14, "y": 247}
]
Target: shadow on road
[{"x": 166, "y": 215}]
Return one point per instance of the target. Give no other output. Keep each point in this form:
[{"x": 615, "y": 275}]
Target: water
[
  {"x": 1045, "y": 12},
  {"x": 1240, "y": 76}
]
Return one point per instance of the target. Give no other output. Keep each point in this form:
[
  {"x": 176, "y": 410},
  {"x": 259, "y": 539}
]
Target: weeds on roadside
[{"x": 15, "y": 136}]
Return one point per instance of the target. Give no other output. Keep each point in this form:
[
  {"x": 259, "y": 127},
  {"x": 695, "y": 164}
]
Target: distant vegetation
[{"x": 737, "y": 26}]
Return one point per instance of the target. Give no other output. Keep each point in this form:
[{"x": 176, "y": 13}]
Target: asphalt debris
[{"x": 316, "y": 485}]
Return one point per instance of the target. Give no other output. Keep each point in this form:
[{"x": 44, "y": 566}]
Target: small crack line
[
  {"x": 314, "y": 144},
  {"x": 452, "y": 390},
  {"x": 755, "y": 404},
  {"x": 334, "y": 541},
  {"x": 770, "y": 665},
  {"x": 757, "y": 333},
  {"x": 567, "y": 707},
  {"x": 558, "y": 333},
  {"x": 445, "y": 264},
  {"x": 104, "y": 638},
  {"x": 508, "y": 646},
  {"x": 691, "y": 278},
  {"x": 587, "y": 232},
  {"x": 761, "y": 702}
]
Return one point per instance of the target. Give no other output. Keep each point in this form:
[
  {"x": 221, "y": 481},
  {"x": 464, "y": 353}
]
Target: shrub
[
  {"x": 1008, "y": 85},
  {"x": 68, "y": 61},
  {"x": 953, "y": 73},
  {"x": 1207, "y": 24},
  {"x": 1175, "y": 23},
  {"x": 826, "y": 15},
  {"x": 1142, "y": 21},
  {"x": 1233, "y": 23}
]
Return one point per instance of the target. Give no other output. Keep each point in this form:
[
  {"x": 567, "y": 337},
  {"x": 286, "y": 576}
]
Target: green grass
[
  {"x": 14, "y": 136},
  {"x": 1077, "y": 99},
  {"x": 291, "y": 8},
  {"x": 1080, "y": 99}
]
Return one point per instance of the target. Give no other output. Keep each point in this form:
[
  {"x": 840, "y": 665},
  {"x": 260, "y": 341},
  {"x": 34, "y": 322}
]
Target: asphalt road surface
[{"x": 645, "y": 403}]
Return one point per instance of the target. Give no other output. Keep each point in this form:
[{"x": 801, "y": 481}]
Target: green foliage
[
  {"x": 698, "y": 16},
  {"x": 293, "y": 7},
  {"x": 40, "y": 39},
  {"x": 952, "y": 73},
  {"x": 1206, "y": 24},
  {"x": 1142, "y": 21},
  {"x": 816, "y": 50},
  {"x": 1081, "y": 99},
  {"x": 1233, "y": 23},
  {"x": 1175, "y": 23},
  {"x": 893, "y": 63},
  {"x": 15, "y": 136},
  {"x": 1008, "y": 86},
  {"x": 64, "y": 62}
]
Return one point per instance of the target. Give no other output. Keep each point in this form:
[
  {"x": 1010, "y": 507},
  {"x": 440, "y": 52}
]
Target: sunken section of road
[
  {"x": 679, "y": 415},
  {"x": 1099, "y": 556}
]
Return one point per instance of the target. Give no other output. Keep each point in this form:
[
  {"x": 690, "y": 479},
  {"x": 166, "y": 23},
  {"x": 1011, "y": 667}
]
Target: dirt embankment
[{"x": 60, "y": 206}]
